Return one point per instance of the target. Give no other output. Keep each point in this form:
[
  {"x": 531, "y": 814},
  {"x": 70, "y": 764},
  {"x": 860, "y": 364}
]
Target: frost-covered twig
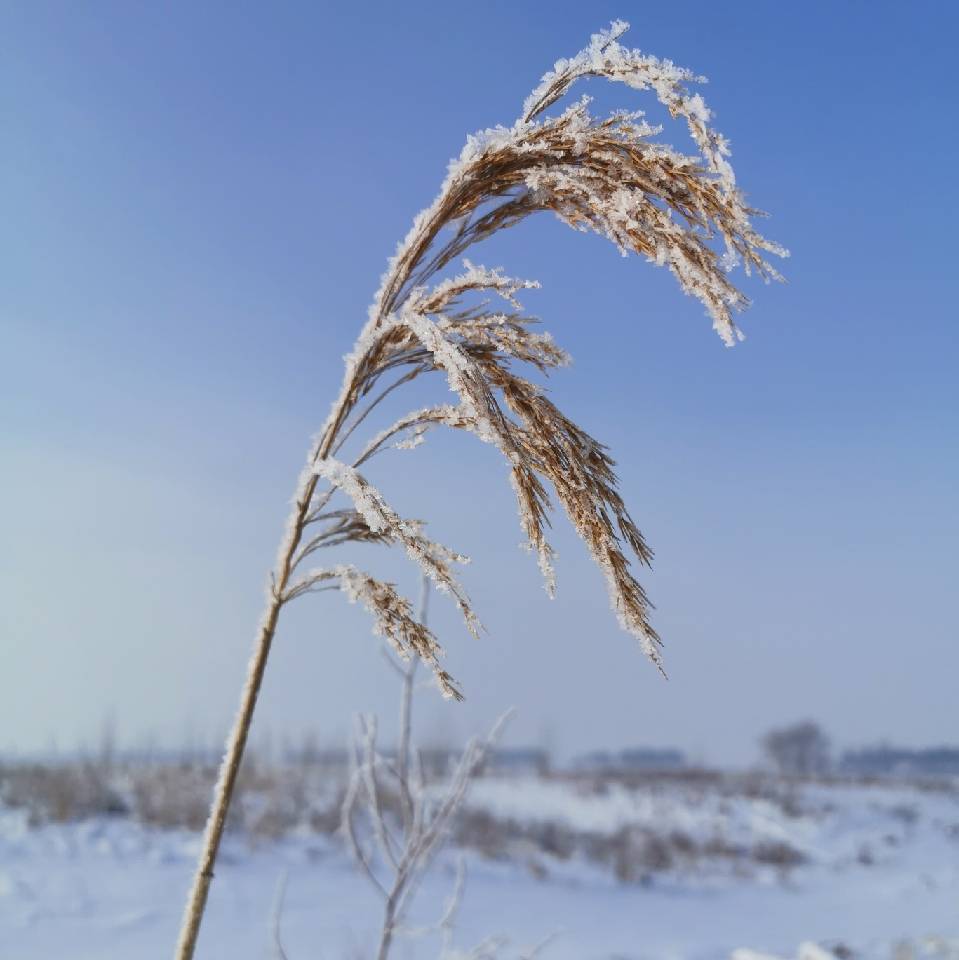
[
  {"x": 404, "y": 862},
  {"x": 278, "y": 952},
  {"x": 407, "y": 848},
  {"x": 607, "y": 175}
]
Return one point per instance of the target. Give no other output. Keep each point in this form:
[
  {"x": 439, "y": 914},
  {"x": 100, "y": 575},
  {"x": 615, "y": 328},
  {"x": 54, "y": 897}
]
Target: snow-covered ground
[{"x": 879, "y": 875}]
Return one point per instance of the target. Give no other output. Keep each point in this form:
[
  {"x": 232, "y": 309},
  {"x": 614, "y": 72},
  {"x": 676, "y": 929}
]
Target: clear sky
[{"x": 197, "y": 202}]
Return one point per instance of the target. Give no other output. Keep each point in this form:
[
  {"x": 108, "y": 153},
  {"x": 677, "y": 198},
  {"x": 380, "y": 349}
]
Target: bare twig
[
  {"x": 347, "y": 819},
  {"x": 424, "y": 822},
  {"x": 278, "y": 952}
]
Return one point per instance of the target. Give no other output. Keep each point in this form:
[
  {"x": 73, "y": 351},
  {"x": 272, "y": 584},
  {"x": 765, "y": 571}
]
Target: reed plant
[{"x": 610, "y": 175}]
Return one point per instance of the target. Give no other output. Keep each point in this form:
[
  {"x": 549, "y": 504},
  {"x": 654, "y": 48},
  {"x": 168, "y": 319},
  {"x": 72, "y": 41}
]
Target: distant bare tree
[{"x": 800, "y": 749}]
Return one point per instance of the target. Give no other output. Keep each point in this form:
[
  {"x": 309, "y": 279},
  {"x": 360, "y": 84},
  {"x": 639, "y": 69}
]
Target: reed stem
[{"x": 230, "y": 766}]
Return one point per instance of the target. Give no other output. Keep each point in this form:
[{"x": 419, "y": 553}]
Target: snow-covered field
[{"x": 868, "y": 869}]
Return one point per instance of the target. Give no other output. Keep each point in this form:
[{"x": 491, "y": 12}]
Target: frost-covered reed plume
[{"x": 606, "y": 174}]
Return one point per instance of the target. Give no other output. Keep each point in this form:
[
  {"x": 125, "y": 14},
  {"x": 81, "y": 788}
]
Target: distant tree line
[{"x": 804, "y": 750}]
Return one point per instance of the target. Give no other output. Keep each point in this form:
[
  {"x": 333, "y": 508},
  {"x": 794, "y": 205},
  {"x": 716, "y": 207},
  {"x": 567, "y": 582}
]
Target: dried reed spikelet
[
  {"x": 382, "y": 521},
  {"x": 391, "y": 612},
  {"x": 606, "y": 175}
]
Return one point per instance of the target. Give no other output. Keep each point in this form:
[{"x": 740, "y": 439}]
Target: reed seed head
[{"x": 608, "y": 175}]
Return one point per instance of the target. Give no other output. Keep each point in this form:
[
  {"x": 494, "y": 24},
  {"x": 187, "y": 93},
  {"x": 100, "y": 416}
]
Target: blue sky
[{"x": 198, "y": 201}]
